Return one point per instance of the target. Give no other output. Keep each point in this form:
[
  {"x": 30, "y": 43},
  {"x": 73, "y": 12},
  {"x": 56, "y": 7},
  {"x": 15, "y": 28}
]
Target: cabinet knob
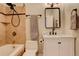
[{"x": 59, "y": 42}]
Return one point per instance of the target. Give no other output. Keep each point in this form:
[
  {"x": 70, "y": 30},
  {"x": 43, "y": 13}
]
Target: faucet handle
[
  {"x": 55, "y": 33},
  {"x": 49, "y": 33}
]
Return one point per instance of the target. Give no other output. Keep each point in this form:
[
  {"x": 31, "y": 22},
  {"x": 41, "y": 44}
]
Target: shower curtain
[{"x": 34, "y": 27}]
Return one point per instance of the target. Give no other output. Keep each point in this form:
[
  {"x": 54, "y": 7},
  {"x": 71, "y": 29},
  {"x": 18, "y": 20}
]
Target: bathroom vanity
[{"x": 55, "y": 45}]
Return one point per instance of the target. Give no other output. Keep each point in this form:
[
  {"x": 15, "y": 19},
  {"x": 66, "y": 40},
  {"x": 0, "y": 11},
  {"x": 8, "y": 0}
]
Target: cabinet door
[
  {"x": 51, "y": 47},
  {"x": 66, "y": 47}
]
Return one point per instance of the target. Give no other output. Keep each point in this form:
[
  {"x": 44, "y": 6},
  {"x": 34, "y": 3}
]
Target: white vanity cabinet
[{"x": 59, "y": 46}]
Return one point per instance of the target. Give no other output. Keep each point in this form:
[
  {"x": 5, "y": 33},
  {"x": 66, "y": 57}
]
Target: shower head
[{"x": 11, "y": 5}]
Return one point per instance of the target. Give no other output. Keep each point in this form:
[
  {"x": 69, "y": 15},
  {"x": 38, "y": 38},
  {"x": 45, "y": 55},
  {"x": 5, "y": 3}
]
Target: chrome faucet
[{"x": 53, "y": 31}]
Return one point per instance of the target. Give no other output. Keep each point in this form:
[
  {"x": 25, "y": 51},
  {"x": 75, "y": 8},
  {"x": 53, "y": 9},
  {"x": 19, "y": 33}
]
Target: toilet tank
[{"x": 31, "y": 45}]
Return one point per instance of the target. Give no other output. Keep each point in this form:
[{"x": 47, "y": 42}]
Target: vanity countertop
[{"x": 54, "y": 36}]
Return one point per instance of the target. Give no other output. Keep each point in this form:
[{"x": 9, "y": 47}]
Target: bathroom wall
[
  {"x": 66, "y": 8},
  {"x": 38, "y": 8},
  {"x": 2, "y": 26},
  {"x": 20, "y": 30}
]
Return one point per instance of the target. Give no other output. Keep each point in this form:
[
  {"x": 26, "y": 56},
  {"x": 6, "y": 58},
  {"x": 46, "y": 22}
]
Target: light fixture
[
  {"x": 49, "y": 4},
  {"x": 52, "y": 4}
]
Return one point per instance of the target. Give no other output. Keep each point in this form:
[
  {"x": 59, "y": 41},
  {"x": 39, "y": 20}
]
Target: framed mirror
[{"x": 52, "y": 18}]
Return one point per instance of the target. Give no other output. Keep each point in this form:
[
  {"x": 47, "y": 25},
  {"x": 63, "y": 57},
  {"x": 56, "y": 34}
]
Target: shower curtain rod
[
  {"x": 12, "y": 14},
  {"x": 30, "y": 15}
]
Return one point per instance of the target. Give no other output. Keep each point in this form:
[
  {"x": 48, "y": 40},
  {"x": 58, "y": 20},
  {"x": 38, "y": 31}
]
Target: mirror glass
[{"x": 52, "y": 17}]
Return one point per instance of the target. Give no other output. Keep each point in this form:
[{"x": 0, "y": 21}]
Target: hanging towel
[{"x": 34, "y": 27}]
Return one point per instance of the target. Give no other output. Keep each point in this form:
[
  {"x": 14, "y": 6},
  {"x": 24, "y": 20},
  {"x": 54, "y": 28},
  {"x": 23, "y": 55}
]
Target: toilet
[{"x": 31, "y": 48}]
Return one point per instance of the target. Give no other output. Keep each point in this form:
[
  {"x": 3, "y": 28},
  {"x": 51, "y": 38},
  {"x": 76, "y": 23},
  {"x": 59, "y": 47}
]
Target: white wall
[
  {"x": 39, "y": 8},
  {"x": 65, "y": 20},
  {"x": 34, "y": 9},
  {"x": 68, "y": 31}
]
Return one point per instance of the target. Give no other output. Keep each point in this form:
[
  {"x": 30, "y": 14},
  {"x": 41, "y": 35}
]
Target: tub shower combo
[{"x": 15, "y": 31}]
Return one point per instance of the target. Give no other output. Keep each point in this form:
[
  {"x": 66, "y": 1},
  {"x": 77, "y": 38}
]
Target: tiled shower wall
[
  {"x": 6, "y": 30},
  {"x": 20, "y": 30},
  {"x": 2, "y": 26}
]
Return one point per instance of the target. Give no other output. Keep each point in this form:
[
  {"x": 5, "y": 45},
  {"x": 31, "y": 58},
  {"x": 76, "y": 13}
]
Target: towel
[{"x": 34, "y": 27}]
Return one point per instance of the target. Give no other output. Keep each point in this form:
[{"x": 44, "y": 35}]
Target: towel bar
[{"x": 30, "y": 15}]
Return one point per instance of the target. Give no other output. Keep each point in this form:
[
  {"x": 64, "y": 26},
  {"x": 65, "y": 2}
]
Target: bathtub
[{"x": 12, "y": 50}]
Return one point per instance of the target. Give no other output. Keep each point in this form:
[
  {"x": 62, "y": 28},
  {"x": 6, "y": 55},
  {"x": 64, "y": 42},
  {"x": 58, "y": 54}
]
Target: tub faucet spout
[{"x": 13, "y": 43}]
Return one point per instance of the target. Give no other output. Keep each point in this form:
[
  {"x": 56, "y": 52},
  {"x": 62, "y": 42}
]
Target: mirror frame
[{"x": 59, "y": 18}]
